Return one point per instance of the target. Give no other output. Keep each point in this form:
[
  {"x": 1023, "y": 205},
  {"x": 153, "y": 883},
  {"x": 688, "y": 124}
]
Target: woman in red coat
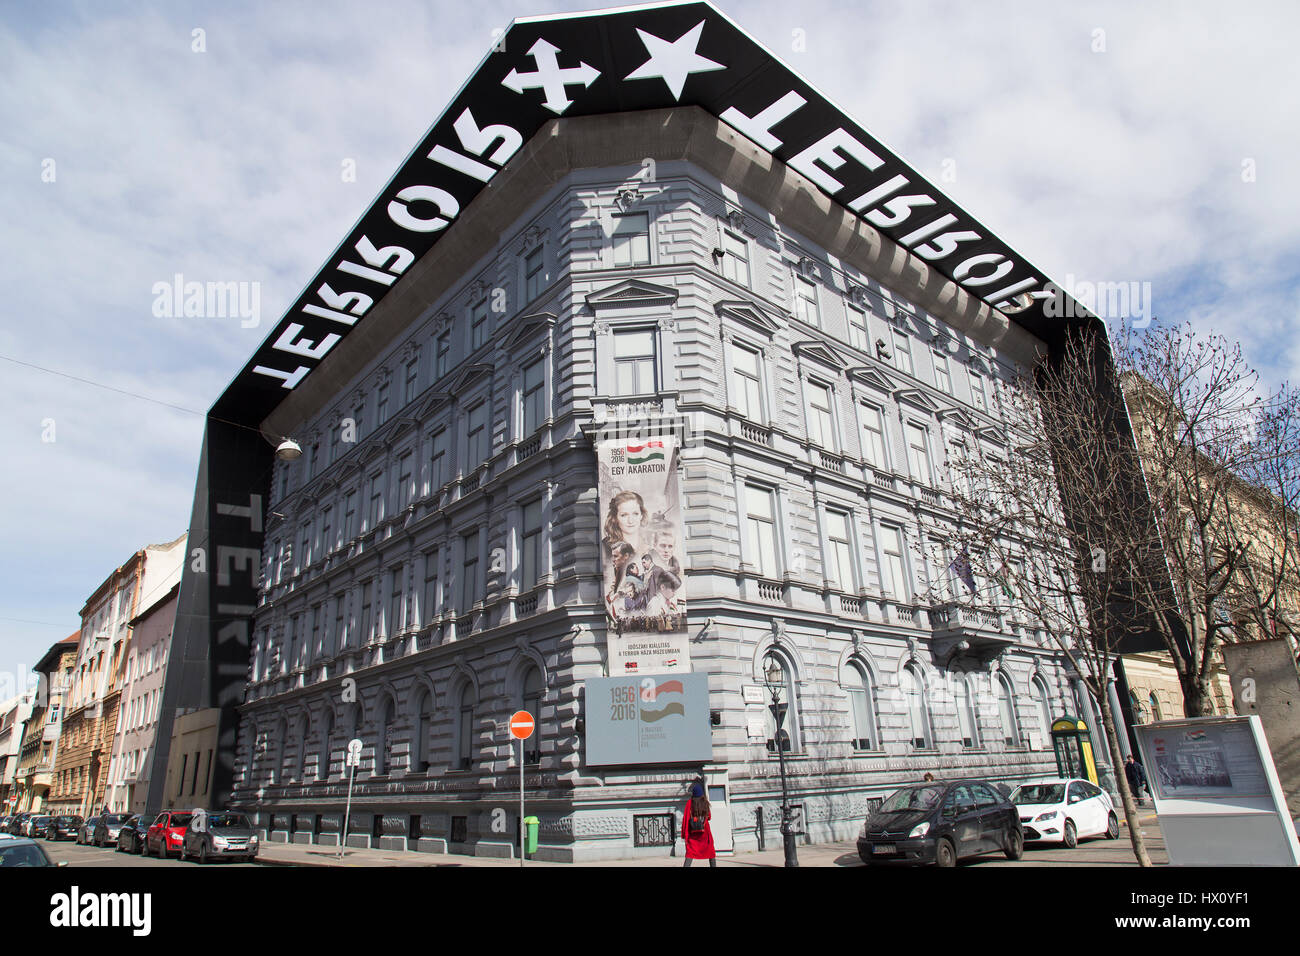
[{"x": 695, "y": 828}]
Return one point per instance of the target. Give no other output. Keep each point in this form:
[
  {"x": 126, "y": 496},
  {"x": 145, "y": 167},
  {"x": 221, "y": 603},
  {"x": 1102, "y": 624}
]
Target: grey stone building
[{"x": 432, "y": 561}]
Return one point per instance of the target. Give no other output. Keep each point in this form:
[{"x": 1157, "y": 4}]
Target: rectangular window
[
  {"x": 873, "y": 436},
  {"x": 478, "y": 325},
  {"x": 977, "y": 394},
  {"x": 429, "y": 602},
  {"x": 632, "y": 239},
  {"x": 366, "y": 593},
  {"x": 857, "y": 328},
  {"x": 439, "y": 467},
  {"x": 530, "y": 556},
  {"x": 902, "y": 352},
  {"x": 326, "y": 542},
  {"x": 358, "y": 416},
  {"x": 533, "y": 275},
  {"x": 534, "y": 398},
  {"x": 336, "y": 449},
  {"x": 839, "y": 559},
  {"x": 760, "y": 531},
  {"x": 442, "y": 360},
  {"x": 821, "y": 423},
  {"x": 918, "y": 454},
  {"x": 405, "y": 482},
  {"x": 805, "y": 302},
  {"x": 304, "y": 548},
  {"x": 476, "y": 447},
  {"x": 735, "y": 258},
  {"x": 395, "y": 621},
  {"x": 382, "y": 409},
  {"x": 470, "y": 582},
  {"x": 412, "y": 381},
  {"x": 942, "y": 376},
  {"x": 350, "y": 516},
  {"x": 748, "y": 393},
  {"x": 634, "y": 362},
  {"x": 893, "y": 577},
  {"x": 340, "y": 633},
  {"x": 376, "y": 500}
]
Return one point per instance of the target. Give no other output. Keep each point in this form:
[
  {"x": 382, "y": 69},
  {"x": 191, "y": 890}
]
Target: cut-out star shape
[{"x": 673, "y": 62}]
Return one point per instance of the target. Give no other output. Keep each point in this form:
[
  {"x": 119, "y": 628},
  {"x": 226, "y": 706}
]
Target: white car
[{"x": 1062, "y": 811}]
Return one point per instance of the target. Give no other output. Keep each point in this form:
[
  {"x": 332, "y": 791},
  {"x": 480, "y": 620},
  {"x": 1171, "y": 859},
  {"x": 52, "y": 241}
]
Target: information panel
[{"x": 648, "y": 720}]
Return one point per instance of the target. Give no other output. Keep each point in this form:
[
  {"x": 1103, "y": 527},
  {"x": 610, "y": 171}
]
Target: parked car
[
  {"x": 86, "y": 829},
  {"x": 106, "y": 828},
  {"x": 1062, "y": 811},
  {"x": 130, "y": 836},
  {"x": 165, "y": 833},
  {"x": 23, "y": 851},
  {"x": 16, "y": 823},
  {"x": 63, "y": 827},
  {"x": 36, "y": 825},
  {"x": 4, "y": 823},
  {"x": 940, "y": 823},
  {"x": 219, "y": 834}
]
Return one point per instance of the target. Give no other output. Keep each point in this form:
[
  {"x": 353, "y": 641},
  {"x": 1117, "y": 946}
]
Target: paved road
[{"x": 94, "y": 856}]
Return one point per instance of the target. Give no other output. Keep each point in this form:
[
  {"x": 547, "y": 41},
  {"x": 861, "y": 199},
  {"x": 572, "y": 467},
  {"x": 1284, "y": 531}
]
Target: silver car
[{"x": 217, "y": 835}]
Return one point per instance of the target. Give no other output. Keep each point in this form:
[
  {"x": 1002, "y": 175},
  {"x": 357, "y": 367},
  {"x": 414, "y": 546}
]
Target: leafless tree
[
  {"x": 1049, "y": 520},
  {"x": 1220, "y": 464}
]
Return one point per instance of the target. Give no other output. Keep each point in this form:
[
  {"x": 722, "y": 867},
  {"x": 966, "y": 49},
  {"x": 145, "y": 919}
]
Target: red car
[{"x": 166, "y": 834}]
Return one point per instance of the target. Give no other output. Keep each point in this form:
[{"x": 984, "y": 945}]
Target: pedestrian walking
[
  {"x": 695, "y": 828},
  {"x": 1137, "y": 777}
]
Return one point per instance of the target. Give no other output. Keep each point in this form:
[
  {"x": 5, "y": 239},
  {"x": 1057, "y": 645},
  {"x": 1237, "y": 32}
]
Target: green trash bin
[{"x": 531, "y": 826}]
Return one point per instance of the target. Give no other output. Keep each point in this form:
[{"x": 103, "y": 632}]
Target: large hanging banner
[{"x": 641, "y": 548}]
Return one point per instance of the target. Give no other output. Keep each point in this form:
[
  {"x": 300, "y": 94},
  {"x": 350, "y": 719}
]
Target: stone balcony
[{"x": 965, "y": 629}]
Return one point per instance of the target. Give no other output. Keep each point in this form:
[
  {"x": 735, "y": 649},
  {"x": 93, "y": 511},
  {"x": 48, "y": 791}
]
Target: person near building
[
  {"x": 1137, "y": 776},
  {"x": 695, "y": 828}
]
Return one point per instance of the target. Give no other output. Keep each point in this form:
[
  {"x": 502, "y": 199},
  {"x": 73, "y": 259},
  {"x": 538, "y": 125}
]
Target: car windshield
[
  {"x": 114, "y": 819},
  {"x": 40, "y": 819},
  {"x": 913, "y": 798},
  {"x": 180, "y": 819},
  {"x": 25, "y": 854},
  {"x": 1039, "y": 793},
  {"x": 226, "y": 820}
]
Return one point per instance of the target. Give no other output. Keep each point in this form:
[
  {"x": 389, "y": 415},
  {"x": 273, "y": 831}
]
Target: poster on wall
[
  {"x": 641, "y": 556},
  {"x": 648, "y": 720}
]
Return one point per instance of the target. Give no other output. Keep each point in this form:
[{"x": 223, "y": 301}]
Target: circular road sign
[{"x": 521, "y": 724}]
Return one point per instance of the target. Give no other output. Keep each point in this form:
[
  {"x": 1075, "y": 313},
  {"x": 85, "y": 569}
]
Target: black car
[
  {"x": 106, "y": 829},
  {"x": 63, "y": 827},
  {"x": 940, "y": 823},
  {"x": 37, "y": 826},
  {"x": 130, "y": 838}
]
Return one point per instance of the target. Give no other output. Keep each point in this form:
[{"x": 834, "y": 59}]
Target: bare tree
[
  {"x": 1049, "y": 515},
  {"x": 1220, "y": 468}
]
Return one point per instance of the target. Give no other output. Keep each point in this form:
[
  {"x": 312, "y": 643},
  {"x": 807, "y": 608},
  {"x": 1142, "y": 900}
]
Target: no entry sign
[{"x": 521, "y": 724}]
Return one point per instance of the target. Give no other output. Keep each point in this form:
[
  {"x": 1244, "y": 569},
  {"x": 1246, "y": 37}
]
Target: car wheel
[
  {"x": 1112, "y": 827},
  {"x": 1071, "y": 835},
  {"x": 945, "y": 854},
  {"x": 1016, "y": 848}
]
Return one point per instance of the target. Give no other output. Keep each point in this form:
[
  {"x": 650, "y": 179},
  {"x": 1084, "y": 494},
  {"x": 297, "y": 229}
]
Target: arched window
[
  {"x": 383, "y": 743},
  {"x": 789, "y": 706},
  {"x": 423, "y": 728},
  {"x": 1007, "y": 710},
  {"x": 862, "y": 707},
  {"x": 531, "y": 701},
  {"x": 918, "y": 705},
  {"x": 967, "y": 725},
  {"x": 465, "y": 728},
  {"x": 1043, "y": 707},
  {"x": 1155, "y": 706}
]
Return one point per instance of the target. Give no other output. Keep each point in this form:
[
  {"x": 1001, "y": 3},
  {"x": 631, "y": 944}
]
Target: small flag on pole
[{"x": 961, "y": 567}]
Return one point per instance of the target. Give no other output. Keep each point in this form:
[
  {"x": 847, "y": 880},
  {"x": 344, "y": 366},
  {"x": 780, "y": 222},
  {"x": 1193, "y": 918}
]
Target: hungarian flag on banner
[
  {"x": 1003, "y": 577},
  {"x": 649, "y": 451},
  {"x": 961, "y": 567}
]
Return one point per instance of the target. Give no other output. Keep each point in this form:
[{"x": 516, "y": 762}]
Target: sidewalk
[{"x": 1088, "y": 853}]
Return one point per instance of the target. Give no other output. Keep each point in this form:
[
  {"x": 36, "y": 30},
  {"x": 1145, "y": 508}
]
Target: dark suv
[
  {"x": 63, "y": 827},
  {"x": 941, "y": 823}
]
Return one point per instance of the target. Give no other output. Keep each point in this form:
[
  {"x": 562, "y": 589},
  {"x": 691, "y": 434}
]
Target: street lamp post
[{"x": 773, "y": 676}]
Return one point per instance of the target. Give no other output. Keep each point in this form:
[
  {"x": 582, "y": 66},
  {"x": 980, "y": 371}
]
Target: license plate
[{"x": 885, "y": 848}]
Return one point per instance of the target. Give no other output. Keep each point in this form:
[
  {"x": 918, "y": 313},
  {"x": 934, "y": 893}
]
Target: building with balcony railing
[{"x": 40, "y": 737}]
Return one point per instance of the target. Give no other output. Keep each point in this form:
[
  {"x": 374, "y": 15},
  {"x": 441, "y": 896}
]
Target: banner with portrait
[{"x": 641, "y": 549}]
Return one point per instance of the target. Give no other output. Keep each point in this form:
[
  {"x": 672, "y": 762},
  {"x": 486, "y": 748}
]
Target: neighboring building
[
  {"x": 190, "y": 762},
  {"x": 433, "y": 560},
  {"x": 135, "y": 743},
  {"x": 98, "y": 678},
  {"x": 13, "y": 716},
  {"x": 41, "y": 735}
]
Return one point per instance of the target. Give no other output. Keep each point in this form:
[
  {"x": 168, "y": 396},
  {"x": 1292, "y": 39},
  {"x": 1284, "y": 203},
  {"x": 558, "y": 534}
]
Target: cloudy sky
[{"x": 1105, "y": 141}]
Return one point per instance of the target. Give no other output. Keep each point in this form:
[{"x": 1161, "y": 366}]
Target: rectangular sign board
[{"x": 648, "y": 720}]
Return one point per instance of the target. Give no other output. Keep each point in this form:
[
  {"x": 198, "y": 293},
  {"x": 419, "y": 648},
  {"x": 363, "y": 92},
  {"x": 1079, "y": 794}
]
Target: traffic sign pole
[{"x": 521, "y": 727}]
